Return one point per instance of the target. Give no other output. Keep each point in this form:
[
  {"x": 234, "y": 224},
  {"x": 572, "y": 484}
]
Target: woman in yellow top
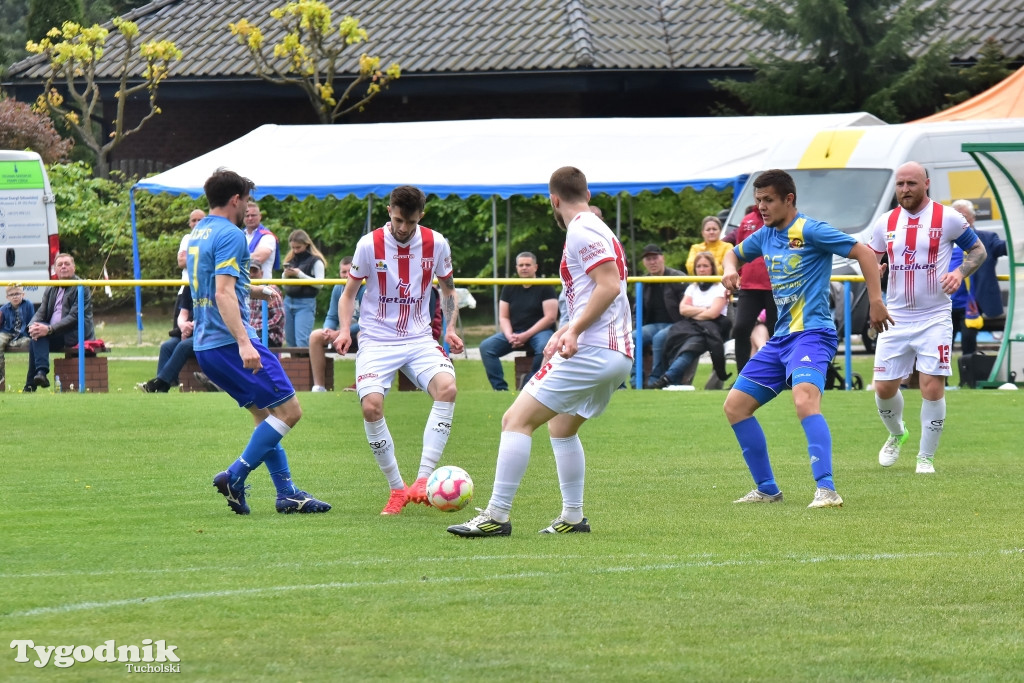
[{"x": 711, "y": 228}]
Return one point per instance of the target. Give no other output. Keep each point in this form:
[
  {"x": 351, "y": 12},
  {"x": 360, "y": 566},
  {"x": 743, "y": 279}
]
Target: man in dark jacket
[
  {"x": 55, "y": 323},
  {"x": 661, "y": 309},
  {"x": 984, "y": 284}
]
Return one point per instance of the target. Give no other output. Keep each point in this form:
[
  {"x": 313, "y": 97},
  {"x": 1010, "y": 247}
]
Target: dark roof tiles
[{"x": 446, "y": 36}]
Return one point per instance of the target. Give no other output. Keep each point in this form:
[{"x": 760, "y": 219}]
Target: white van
[
  {"x": 846, "y": 176},
  {"x": 29, "y": 241}
]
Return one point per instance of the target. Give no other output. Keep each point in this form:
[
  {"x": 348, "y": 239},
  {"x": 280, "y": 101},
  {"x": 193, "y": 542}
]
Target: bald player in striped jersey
[
  {"x": 797, "y": 251},
  {"x": 398, "y": 263},
  {"x": 918, "y": 236}
]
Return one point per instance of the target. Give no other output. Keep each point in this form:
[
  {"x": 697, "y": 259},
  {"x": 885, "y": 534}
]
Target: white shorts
[
  {"x": 926, "y": 342},
  {"x": 376, "y": 365},
  {"x": 582, "y": 385}
]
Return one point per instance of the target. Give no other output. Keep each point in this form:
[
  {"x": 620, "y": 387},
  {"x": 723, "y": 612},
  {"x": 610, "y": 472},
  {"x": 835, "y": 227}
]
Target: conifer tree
[{"x": 852, "y": 55}]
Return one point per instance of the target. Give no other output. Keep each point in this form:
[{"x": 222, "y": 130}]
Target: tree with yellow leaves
[
  {"x": 309, "y": 56},
  {"x": 74, "y": 53}
]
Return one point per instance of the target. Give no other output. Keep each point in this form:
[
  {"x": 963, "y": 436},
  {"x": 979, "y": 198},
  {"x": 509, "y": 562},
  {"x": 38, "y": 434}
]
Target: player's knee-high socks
[
  {"x": 819, "y": 447},
  {"x": 933, "y": 418},
  {"x": 513, "y": 457},
  {"x": 383, "y": 447},
  {"x": 571, "y": 466},
  {"x": 891, "y": 412},
  {"x": 435, "y": 435},
  {"x": 755, "y": 452},
  {"x": 280, "y": 474},
  {"x": 265, "y": 437}
]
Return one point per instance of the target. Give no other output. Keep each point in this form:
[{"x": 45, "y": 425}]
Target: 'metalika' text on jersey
[
  {"x": 217, "y": 247},
  {"x": 919, "y": 248},
  {"x": 589, "y": 243},
  {"x": 396, "y": 303},
  {"x": 799, "y": 262}
]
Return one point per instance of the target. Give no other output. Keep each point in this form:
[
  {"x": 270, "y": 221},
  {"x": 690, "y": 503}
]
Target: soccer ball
[{"x": 449, "y": 488}]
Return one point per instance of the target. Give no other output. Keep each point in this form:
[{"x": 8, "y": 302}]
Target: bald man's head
[{"x": 912, "y": 187}]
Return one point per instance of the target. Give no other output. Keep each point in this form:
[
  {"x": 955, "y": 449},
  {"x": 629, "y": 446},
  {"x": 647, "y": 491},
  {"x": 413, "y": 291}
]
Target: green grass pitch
[{"x": 111, "y": 530}]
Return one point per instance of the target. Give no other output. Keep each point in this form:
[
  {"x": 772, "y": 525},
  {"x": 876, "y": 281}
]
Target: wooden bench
[{"x": 96, "y": 379}]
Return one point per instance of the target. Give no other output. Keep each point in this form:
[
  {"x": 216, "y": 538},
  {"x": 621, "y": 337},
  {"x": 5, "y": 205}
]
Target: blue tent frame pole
[
  {"x": 136, "y": 270},
  {"x": 494, "y": 252}
]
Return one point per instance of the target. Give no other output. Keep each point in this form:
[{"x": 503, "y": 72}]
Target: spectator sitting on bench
[
  {"x": 526, "y": 315},
  {"x": 175, "y": 351},
  {"x": 14, "y": 318},
  {"x": 661, "y": 310},
  {"x": 55, "y": 323},
  {"x": 704, "y": 327},
  {"x": 320, "y": 339}
]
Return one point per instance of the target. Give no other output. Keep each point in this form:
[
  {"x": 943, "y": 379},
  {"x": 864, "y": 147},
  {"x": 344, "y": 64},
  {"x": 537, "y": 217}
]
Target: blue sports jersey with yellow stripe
[
  {"x": 217, "y": 247},
  {"x": 799, "y": 262}
]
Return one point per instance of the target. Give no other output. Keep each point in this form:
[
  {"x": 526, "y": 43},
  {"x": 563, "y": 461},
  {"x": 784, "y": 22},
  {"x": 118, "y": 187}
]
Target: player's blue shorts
[
  {"x": 264, "y": 389},
  {"x": 784, "y": 361}
]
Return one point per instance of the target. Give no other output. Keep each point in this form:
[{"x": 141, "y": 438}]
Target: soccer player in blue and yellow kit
[
  {"x": 229, "y": 350},
  {"x": 798, "y": 253}
]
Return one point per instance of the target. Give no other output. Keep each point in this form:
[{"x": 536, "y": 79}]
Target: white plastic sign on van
[{"x": 24, "y": 222}]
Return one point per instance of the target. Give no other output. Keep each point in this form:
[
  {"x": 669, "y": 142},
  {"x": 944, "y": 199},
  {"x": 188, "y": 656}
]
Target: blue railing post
[
  {"x": 847, "y": 337},
  {"x": 81, "y": 339}
]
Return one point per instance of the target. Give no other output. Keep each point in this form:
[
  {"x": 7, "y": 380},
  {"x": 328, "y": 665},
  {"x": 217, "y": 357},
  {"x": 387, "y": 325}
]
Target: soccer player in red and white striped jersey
[
  {"x": 398, "y": 263},
  {"x": 918, "y": 237},
  {"x": 586, "y": 361}
]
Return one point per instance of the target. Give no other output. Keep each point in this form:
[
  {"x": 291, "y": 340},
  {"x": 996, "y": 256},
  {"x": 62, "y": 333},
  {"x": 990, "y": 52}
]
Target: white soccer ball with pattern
[{"x": 449, "y": 488}]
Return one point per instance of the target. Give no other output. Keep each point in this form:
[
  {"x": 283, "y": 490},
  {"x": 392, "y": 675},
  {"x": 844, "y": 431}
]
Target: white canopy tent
[{"x": 494, "y": 157}]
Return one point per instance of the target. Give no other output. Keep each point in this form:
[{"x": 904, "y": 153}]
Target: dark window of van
[{"x": 846, "y": 198}]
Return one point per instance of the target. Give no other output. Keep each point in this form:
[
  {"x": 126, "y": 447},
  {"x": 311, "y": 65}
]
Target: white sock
[
  {"x": 383, "y": 447},
  {"x": 933, "y": 417},
  {"x": 279, "y": 425},
  {"x": 891, "y": 412},
  {"x": 435, "y": 436},
  {"x": 571, "y": 466},
  {"x": 513, "y": 457}
]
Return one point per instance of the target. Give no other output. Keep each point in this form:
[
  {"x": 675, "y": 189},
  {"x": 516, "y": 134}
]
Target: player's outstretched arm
[
  {"x": 450, "y": 309},
  {"x": 228, "y": 307},
  {"x": 730, "y": 272},
  {"x": 346, "y": 305},
  {"x": 878, "y": 314},
  {"x": 973, "y": 258},
  {"x": 606, "y": 280}
]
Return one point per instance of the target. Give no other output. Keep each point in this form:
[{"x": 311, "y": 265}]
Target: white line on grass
[
  {"x": 304, "y": 565},
  {"x": 342, "y": 585}
]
